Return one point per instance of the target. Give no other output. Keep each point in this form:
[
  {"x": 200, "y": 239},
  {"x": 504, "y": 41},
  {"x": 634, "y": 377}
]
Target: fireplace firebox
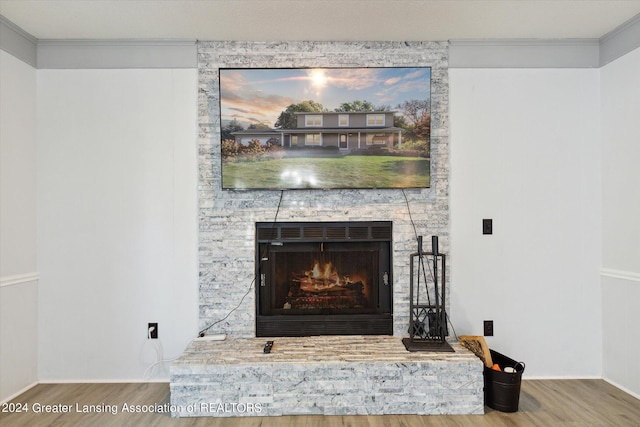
[{"x": 323, "y": 278}]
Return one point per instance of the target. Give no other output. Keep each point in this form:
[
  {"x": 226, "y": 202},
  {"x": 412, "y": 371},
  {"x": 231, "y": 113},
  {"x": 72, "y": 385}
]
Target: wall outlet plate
[
  {"x": 153, "y": 334},
  {"x": 487, "y": 226},
  {"x": 488, "y": 328}
]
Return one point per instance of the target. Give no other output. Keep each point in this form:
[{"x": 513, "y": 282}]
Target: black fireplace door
[{"x": 324, "y": 278}]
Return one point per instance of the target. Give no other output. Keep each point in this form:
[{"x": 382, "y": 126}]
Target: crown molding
[
  {"x": 109, "y": 54},
  {"x": 620, "y": 41},
  {"x": 497, "y": 53},
  {"x": 524, "y": 53},
  {"x": 101, "y": 54},
  {"x": 540, "y": 53},
  {"x": 17, "y": 42}
]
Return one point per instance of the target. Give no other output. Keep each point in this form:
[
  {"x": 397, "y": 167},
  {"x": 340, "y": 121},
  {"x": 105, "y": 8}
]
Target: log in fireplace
[{"x": 323, "y": 278}]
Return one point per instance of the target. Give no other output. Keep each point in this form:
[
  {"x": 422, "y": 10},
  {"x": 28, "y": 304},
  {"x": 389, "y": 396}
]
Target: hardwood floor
[{"x": 542, "y": 403}]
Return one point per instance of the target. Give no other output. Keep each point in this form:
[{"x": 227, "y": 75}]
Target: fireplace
[{"x": 323, "y": 278}]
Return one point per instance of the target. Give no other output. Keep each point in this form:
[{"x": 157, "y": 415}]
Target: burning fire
[
  {"x": 325, "y": 273},
  {"x": 323, "y": 287}
]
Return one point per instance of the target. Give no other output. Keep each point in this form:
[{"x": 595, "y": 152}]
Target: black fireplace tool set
[{"x": 427, "y": 316}]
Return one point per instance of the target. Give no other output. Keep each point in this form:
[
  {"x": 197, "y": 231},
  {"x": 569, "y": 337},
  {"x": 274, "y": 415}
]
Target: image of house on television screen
[{"x": 272, "y": 140}]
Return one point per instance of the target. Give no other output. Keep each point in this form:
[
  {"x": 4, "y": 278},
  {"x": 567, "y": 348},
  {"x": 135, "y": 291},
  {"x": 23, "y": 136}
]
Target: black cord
[
  {"x": 202, "y": 332},
  {"x": 451, "y": 323},
  {"x": 413, "y": 224},
  {"x": 275, "y": 218},
  {"x": 420, "y": 258}
]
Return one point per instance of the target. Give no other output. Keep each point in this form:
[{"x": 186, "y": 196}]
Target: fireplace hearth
[{"x": 323, "y": 278}]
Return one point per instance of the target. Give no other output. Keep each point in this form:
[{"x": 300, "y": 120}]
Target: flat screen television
[{"x": 325, "y": 128}]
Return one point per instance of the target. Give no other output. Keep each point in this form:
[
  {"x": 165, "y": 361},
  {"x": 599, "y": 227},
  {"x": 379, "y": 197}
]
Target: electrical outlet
[
  {"x": 487, "y": 226},
  {"x": 488, "y": 328},
  {"x": 154, "y": 333}
]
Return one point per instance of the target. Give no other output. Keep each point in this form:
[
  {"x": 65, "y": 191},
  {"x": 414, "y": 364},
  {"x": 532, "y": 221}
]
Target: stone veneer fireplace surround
[
  {"x": 227, "y": 218},
  {"x": 336, "y": 375}
]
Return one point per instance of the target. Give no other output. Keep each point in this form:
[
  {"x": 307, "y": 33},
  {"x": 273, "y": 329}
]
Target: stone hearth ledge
[{"x": 341, "y": 375}]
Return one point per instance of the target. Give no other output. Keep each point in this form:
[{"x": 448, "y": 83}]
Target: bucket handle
[{"x": 516, "y": 366}]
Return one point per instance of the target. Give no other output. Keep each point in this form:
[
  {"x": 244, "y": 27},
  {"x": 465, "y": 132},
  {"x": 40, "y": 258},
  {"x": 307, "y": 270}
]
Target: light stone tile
[
  {"x": 324, "y": 377},
  {"x": 296, "y": 377},
  {"x": 227, "y": 218}
]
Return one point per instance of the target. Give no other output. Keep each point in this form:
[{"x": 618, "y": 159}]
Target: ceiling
[{"x": 319, "y": 20}]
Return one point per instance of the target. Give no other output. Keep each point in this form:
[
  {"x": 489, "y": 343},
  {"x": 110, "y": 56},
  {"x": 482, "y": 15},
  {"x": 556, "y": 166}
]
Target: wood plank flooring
[{"x": 542, "y": 403}]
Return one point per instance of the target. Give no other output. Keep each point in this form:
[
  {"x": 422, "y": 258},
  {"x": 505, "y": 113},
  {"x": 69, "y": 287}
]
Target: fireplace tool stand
[{"x": 427, "y": 316}]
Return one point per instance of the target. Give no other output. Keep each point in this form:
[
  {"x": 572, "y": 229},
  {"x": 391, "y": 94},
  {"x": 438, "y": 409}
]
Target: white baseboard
[
  {"x": 626, "y": 390},
  {"x": 138, "y": 381},
  {"x": 561, "y": 377},
  {"x": 613, "y": 383},
  {"x": 103, "y": 381},
  {"x": 83, "y": 381},
  {"x": 19, "y": 392}
]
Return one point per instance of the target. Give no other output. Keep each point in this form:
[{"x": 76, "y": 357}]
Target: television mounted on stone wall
[{"x": 325, "y": 128}]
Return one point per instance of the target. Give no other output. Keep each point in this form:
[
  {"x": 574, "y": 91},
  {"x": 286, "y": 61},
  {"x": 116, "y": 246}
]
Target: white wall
[
  {"x": 18, "y": 185},
  {"x": 117, "y": 218},
  {"x": 621, "y": 220},
  {"x": 525, "y": 151},
  {"x": 18, "y": 262}
]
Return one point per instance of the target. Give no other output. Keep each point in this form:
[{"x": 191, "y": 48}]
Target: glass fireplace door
[{"x": 321, "y": 278}]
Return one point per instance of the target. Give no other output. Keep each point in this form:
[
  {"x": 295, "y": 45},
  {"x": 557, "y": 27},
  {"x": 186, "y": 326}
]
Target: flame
[
  {"x": 325, "y": 271},
  {"x": 324, "y": 277}
]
